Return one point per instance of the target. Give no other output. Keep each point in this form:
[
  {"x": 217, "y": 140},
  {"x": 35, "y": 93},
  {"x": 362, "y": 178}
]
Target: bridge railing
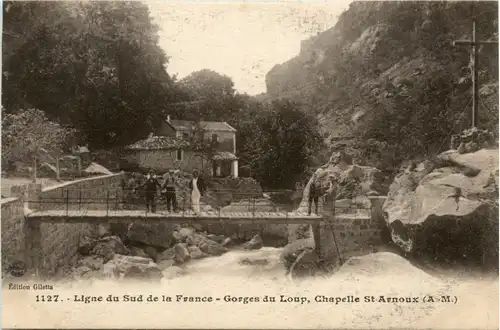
[{"x": 215, "y": 201}]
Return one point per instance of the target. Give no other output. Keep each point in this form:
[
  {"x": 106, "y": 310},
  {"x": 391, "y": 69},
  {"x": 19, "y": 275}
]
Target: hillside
[{"x": 387, "y": 76}]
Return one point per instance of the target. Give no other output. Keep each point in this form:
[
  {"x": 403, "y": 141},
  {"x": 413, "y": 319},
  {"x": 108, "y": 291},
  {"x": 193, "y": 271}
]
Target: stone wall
[
  {"x": 50, "y": 246},
  {"x": 360, "y": 231},
  {"x": 12, "y": 231},
  {"x": 96, "y": 193},
  {"x": 356, "y": 236},
  {"x": 60, "y": 244}
]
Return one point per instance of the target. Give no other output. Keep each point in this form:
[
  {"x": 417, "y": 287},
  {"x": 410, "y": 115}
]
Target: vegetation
[
  {"x": 279, "y": 143},
  {"x": 95, "y": 69},
  {"x": 94, "y": 66},
  {"x": 28, "y": 133}
]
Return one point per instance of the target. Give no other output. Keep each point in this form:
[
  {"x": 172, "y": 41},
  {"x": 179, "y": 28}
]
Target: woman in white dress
[{"x": 197, "y": 187}]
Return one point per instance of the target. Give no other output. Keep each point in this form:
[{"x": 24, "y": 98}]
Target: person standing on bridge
[
  {"x": 151, "y": 184},
  {"x": 313, "y": 195},
  {"x": 169, "y": 191},
  {"x": 197, "y": 187}
]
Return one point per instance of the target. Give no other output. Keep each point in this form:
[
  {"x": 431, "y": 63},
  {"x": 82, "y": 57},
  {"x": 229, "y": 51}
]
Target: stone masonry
[{"x": 48, "y": 246}]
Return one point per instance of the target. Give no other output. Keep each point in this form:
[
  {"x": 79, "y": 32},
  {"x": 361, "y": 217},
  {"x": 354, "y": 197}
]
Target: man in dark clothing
[
  {"x": 169, "y": 191},
  {"x": 313, "y": 195},
  {"x": 150, "y": 185}
]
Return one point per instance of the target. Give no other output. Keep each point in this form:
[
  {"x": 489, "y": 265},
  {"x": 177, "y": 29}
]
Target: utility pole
[{"x": 474, "y": 69}]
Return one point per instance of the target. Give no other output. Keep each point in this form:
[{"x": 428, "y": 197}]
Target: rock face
[
  {"x": 361, "y": 61},
  {"x": 448, "y": 209}
]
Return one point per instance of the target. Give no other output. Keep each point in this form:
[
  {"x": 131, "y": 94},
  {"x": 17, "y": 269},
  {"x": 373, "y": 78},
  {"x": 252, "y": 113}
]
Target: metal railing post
[
  {"x": 67, "y": 201},
  {"x": 183, "y": 204},
  {"x": 107, "y": 202},
  {"x": 253, "y": 207},
  {"x": 80, "y": 199}
]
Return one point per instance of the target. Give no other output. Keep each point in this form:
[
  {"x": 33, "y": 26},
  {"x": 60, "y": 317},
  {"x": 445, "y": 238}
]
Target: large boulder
[
  {"x": 106, "y": 247},
  {"x": 181, "y": 253},
  {"x": 159, "y": 235},
  {"x": 355, "y": 182},
  {"x": 212, "y": 248},
  {"x": 206, "y": 245},
  {"x": 196, "y": 253},
  {"x": 132, "y": 267},
  {"x": 254, "y": 244},
  {"x": 138, "y": 252},
  {"x": 292, "y": 250},
  {"x": 447, "y": 209}
]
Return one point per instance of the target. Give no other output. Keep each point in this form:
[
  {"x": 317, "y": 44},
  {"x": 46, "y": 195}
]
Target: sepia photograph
[{"x": 249, "y": 164}]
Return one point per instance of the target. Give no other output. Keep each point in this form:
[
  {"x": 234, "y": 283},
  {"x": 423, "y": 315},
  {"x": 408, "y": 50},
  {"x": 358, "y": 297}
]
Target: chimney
[{"x": 168, "y": 118}]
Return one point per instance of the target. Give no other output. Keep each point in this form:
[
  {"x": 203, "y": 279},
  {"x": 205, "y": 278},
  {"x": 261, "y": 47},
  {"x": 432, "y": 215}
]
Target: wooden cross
[{"x": 474, "y": 65}]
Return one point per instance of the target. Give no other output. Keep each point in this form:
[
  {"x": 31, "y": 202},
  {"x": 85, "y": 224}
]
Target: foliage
[
  {"x": 95, "y": 66},
  {"x": 206, "y": 95},
  {"x": 28, "y": 133},
  {"x": 278, "y": 142}
]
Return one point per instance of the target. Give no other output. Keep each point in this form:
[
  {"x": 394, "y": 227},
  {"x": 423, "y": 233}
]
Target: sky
[{"x": 242, "y": 40}]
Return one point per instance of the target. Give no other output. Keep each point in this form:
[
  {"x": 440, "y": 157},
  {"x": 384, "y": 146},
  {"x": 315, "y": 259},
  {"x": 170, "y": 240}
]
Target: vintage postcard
[{"x": 249, "y": 164}]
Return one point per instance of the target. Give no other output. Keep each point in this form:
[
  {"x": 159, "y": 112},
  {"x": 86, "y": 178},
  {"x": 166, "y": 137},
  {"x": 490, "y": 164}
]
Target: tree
[
  {"x": 28, "y": 133},
  {"x": 96, "y": 66},
  {"x": 210, "y": 96},
  {"x": 280, "y": 142}
]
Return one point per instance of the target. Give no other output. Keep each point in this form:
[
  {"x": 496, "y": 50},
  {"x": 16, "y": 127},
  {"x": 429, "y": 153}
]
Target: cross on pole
[{"x": 474, "y": 64}]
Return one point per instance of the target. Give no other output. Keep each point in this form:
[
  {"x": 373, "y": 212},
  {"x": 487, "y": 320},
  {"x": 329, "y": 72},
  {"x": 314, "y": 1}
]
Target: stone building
[{"x": 174, "y": 147}]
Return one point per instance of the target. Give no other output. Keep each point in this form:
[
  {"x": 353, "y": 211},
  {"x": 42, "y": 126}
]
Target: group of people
[{"x": 168, "y": 190}]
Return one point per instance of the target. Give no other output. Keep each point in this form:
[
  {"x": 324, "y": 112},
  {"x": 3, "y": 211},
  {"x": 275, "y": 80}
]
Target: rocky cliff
[{"x": 393, "y": 63}]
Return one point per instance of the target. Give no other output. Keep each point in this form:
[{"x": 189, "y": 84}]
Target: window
[
  {"x": 179, "y": 155},
  {"x": 185, "y": 136},
  {"x": 215, "y": 138}
]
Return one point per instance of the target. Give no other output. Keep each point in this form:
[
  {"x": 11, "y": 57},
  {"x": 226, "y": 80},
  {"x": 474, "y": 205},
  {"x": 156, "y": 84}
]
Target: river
[{"x": 350, "y": 298}]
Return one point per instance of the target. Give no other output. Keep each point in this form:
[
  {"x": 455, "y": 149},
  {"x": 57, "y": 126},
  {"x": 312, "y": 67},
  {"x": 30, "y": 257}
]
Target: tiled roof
[
  {"x": 159, "y": 143},
  {"x": 224, "y": 155},
  {"x": 206, "y": 125}
]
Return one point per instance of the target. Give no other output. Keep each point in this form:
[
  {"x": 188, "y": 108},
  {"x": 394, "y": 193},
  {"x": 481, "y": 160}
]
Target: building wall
[
  {"x": 164, "y": 160},
  {"x": 227, "y": 140}
]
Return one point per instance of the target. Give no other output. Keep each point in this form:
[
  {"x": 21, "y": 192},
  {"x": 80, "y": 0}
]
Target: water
[
  {"x": 260, "y": 264},
  {"x": 235, "y": 286}
]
